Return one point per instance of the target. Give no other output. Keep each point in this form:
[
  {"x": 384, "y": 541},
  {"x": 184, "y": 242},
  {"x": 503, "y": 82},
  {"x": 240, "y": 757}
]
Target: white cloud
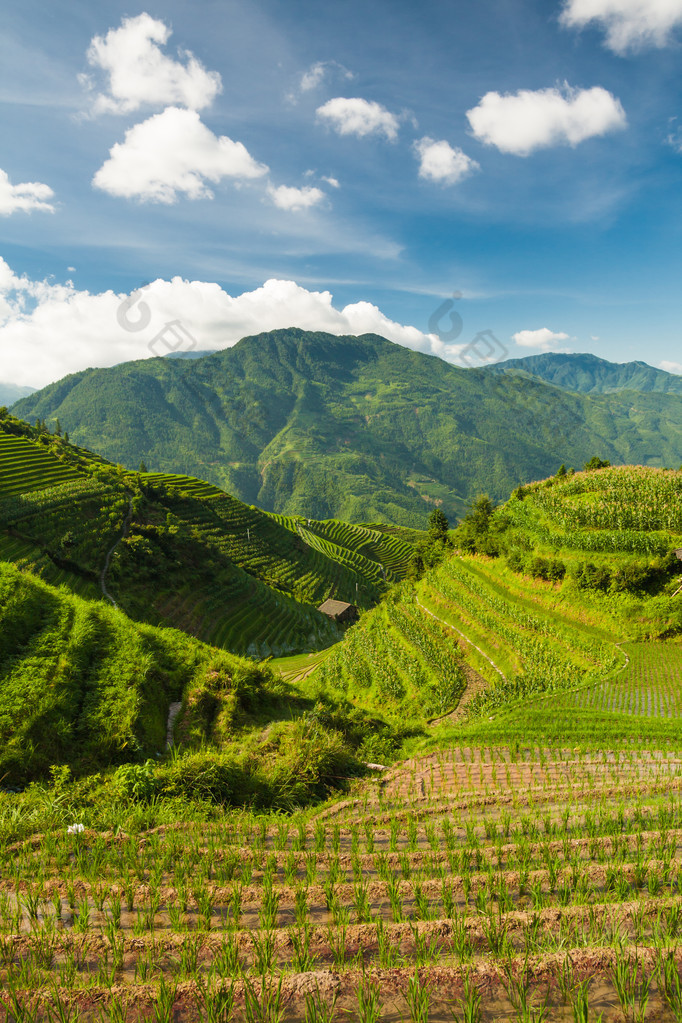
[
  {"x": 441, "y": 163},
  {"x": 359, "y": 117},
  {"x": 287, "y": 198},
  {"x": 629, "y": 24},
  {"x": 311, "y": 78},
  {"x": 522, "y": 122},
  {"x": 670, "y": 367},
  {"x": 594, "y": 337},
  {"x": 318, "y": 72},
  {"x": 140, "y": 74},
  {"x": 49, "y": 330},
  {"x": 544, "y": 339},
  {"x": 332, "y": 181},
  {"x": 674, "y": 136},
  {"x": 173, "y": 153},
  {"x": 30, "y": 195}
]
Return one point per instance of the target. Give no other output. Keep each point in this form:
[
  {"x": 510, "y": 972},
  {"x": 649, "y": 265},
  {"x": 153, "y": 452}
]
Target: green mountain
[
  {"x": 355, "y": 428},
  {"x": 172, "y": 550},
  {"x": 591, "y": 375}
]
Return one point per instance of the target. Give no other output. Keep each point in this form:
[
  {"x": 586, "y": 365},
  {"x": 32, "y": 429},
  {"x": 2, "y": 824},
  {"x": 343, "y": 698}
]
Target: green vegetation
[
  {"x": 590, "y": 374},
  {"x": 353, "y": 428},
  {"x": 82, "y": 685},
  {"x": 182, "y": 552},
  {"x": 522, "y": 860}
]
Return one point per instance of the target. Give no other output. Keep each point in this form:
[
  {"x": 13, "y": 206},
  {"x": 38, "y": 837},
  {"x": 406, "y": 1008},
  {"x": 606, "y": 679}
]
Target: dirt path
[
  {"x": 173, "y": 712},
  {"x": 466, "y": 638},
  {"x": 110, "y": 553}
]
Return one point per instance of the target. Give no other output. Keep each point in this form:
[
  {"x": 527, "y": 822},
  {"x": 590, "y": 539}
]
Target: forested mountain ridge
[
  {"x": 589, "y": 374},
  {"x": 356, "y": 428}
]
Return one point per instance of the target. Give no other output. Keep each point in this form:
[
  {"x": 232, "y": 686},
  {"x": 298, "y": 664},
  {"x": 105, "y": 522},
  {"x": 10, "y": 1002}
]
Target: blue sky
[{"x": 368, "y": 160}]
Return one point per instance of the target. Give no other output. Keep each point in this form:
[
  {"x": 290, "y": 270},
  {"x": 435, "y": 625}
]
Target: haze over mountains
[
  {"x": 360, "y": 428},
  {"x": 589, "y": 374},
  {"x": 9, "y": 393}
]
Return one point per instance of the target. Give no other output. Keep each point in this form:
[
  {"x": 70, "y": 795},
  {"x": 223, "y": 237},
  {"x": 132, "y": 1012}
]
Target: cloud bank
[{"x": 49, "y": 330}]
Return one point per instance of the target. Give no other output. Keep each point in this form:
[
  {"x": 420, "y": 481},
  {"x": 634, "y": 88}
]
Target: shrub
[
  {"x": 217, "y": 778},
  {"x": 136, "y": 781},
  {"x": 516, "y": 561},
  {"x": 593, "y": 577},
  {"x": 551, "y": 569}
]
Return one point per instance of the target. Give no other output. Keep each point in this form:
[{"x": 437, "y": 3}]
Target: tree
[
  {"x": 438, "y": 524},
  {"x": 561, "y": 471},
  {"x": 143, "y": 467},
  {"x": 595, "y": 463}
]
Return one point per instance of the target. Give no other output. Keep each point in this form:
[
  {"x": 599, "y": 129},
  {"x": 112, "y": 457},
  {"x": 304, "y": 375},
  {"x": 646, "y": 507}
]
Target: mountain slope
[
  {"x": 81, "y": 684},
  {"x": 9, "y": 393},
  {"x": 590, "y": 375},
  {"x": 351, "y": 427},
  {"x": 180, "y": 552}
]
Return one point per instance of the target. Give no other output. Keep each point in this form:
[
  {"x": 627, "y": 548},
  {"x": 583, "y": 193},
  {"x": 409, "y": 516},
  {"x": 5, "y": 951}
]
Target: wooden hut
[{"x": 339, "y": 611}]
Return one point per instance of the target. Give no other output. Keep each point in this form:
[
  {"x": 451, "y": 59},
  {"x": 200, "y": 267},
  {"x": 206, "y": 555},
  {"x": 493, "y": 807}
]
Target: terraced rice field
[
  {"x": 25, "y": 468},
  {"x": 502, "y": 883},
  {"x": 649, "y": 685}
]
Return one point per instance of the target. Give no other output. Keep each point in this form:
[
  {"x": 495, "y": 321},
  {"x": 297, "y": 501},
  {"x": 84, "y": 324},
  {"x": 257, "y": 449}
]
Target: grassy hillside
[
  {"x": 181, "y": 552},
  {"x": 539, "y": 599},
  {"x": 355, "y": 428},
  {"x": 82, "y": 685},
  {"x": 591, "y": 375}
]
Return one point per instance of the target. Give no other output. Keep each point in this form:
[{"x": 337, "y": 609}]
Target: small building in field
[{"x": 339, "y": 611}]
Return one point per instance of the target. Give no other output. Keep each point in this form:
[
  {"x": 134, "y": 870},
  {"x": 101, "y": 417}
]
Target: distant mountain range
[
  {"x": 588, "y": 374},
  {"x": 360, "y": 428},
  {"x": 9, "y": 393}
]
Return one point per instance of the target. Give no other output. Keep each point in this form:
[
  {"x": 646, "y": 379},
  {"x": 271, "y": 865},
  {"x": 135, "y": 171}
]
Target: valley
[{"x": 217, "y": 803}]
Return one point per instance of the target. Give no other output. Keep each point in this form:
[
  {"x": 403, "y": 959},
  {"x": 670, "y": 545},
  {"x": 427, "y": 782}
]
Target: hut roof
[{"x": 334, "y": 607}]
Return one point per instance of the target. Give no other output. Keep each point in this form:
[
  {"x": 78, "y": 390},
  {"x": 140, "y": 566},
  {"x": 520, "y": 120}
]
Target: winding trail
[
  {"x": 466, "y": 638},
  {"x": 173, "y": 712},
  {"x": 626, "y": 655},
  {"x": 107, "y": 560}
]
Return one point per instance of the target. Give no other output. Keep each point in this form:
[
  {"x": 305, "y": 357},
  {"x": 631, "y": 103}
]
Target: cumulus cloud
[
  {"x": 670, "y": 367},
  {"x": 544, "y": 339},
  {"x": 332, "y": 181},
  {"x": 173, "y": 153},
  {"x": 359, "y": 117},
  {"x": 140, "y": 74},
  {"x": 27, "y": 196},
  {"x": 288, "y": 198},
  {"x": 439, "y": 162},
  {"x": 524, "y": 121},
  {"x": 48, "y": 330},
  {"x": 629, "y": 24}
]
